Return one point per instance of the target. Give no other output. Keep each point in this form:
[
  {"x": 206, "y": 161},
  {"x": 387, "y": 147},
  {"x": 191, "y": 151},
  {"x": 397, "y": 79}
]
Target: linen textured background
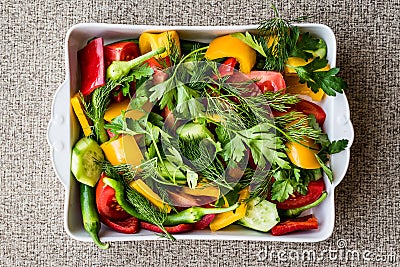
[{"x": 32, "y": 67}]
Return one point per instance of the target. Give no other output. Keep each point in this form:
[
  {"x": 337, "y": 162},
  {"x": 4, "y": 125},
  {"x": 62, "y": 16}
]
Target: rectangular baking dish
[{"x": 63, "y": 132}]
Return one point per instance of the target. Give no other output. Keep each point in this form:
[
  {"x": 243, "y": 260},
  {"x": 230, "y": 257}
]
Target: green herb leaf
[
  {"x": 253, "y": 41},
  {"x": 315, "y": 79},
  {"x": 235, "y": 149},
  {"x": 337, "y": 146},
  {"x": 165, "y": 93},
  {"x": 322, "y": 137},
  {"x": 326, "y": 169},
  {"x": 187, "y": 105},
  {"x": 304, "y": 46},
  {"x": 281, "y": 189},
  {"x": 281, "y": 37}
]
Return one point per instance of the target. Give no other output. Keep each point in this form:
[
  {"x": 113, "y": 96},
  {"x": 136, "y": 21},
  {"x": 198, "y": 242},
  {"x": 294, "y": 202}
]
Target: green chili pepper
[
  {"x": 297, "y": 211},
  {"x": 91, "y": 221},
  {"x": 194, "y": 214},
  {"x": 120, "y": 197},
  {"x": 118, "y": 69},
  {"x": 190, "y": 215}
]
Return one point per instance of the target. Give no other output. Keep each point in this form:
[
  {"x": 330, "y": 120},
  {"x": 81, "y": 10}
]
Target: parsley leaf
[
  {"x": 187, "y": 105},
  {"x": 165, "y": 93},
  {"x": 304, "y": 46},
  {"x": 253, "y": 41},
  {"x": 290, "y": 181},
  {"x": 326, "y": 80},
  {"x": 337, "y": 146},
  {"x": 137, "y": 73},
  {"x": 263, "y": 144},
  {"x": 326, "y": 169},
  {"x": 281, "y": 189}
]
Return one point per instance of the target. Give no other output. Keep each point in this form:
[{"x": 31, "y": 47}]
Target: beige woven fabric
[{"x": 32, "y": 199}]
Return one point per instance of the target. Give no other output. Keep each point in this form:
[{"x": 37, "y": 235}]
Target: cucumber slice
[
  {"x": 260, "y": 215},
  {"x": 194, "y": 131},
  {"x": 320, "y": 51},
  {"x": 85, "y": 155}
]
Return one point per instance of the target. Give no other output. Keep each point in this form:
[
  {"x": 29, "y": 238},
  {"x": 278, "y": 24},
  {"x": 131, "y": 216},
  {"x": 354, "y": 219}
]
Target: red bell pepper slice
[
  {"x": 205, "y": 221},
  {"x": 129, "y": 225},
  {"x": 91, "y": 60},
  {"x": 298, "y": 224},
  {"x": 120, "y": 51},
  {"x": 180, "y": 228},
  {"x": 315, "y": 189}
]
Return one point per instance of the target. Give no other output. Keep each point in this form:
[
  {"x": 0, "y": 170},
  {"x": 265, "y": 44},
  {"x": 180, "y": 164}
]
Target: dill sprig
[
  {"x": 278, "y": 101},
  {"x": 280, "y": 37},
  {"x": 125, "y": 173},
  {"x": 209, "y": 166},
  {"x": 97, "y": 106},
  {"x": 300, "y": 129},
  {"x": 173, "y": 50},
  {"x": 259, "y": 180},
  {"x": 295, "y": 126},
  {"x": 147, "y": 210}
]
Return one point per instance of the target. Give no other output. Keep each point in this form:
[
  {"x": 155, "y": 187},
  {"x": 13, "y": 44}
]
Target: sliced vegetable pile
[{"x": 182, "y": 136}]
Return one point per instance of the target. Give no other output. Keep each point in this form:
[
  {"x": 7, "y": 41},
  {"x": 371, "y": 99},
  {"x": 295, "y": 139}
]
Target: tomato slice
[
  {"x": 120, "y": 51},
  {"x": 227, "y": 67},
  {"x": 158, "y": 65},
  {"x": 310, "y": 108},
  {"x": 268, "y": 80},
  {"x": 129, "y": 225},
  {"x": 315, "y": 189},
  {"x": 106, "y": 203}
]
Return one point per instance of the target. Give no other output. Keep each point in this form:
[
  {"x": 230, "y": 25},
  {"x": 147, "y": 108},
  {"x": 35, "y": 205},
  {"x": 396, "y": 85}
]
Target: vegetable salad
[{"x": 179, "y": 135}]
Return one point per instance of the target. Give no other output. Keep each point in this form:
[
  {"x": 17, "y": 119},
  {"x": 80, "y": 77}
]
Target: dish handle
[
  {"x": 343, "y": 129},
  {"x": 58, "y": 133}
]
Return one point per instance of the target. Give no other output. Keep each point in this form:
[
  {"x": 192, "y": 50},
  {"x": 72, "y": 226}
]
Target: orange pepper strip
[
  {"x": 229, "y": 46},
  {"x": 123, "y": 150},
  {"x": 227, "y": 218},
  {"x": 148, "y": 193},
  {"x": 151, "y": 41},
  {"x": 83, "y": 120}
]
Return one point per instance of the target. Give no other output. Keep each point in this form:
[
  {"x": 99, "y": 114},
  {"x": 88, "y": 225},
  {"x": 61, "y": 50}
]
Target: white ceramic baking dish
[{"x": 63, "y": 132}]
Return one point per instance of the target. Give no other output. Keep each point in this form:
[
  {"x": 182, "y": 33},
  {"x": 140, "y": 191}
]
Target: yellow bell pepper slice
[
  {"x": 208, "y": 191},
  {"x": 229, "y": 46},
  {"x": 123, "y": 150},
  {"x": 148, "y": 193},
  {"x": 80, "y": 114},
  {"x": 293, "y": 86},
  {"x": 151, "y": 41},
  {"x": 227, "y": 218},
  {"x": 292, "y": 80},
  {"x": 303, "y": 156},
  {"x": 114, "y": 109},
  {"x": 299, "y": 62}
]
